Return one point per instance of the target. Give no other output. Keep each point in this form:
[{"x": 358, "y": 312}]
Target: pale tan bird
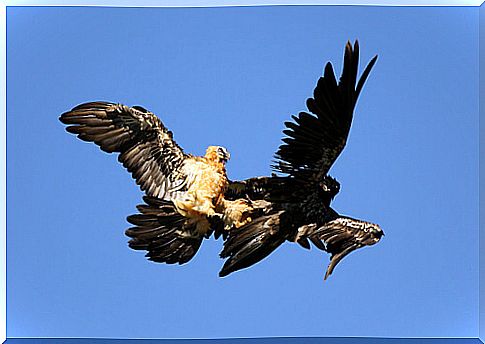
[
  {"x": 194, "y": 184},
  {"x": 188, "y": 198}
]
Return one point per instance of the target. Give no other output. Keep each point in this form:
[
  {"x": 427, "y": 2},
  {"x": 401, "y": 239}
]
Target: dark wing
[
  {"x": 158, "y": 230},
  {"x": 146, "y": 147},
  {"x": 279, "y": 189},
  {"x": 251, "y": 243},
  {"x": 315, "y": 141},
  {"x": 167, "y": 235},
  {"x": 271, "y": 189},
  {"x": 344, "y": 235}
]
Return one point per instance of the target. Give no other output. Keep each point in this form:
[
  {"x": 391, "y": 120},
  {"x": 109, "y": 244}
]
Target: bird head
[
  {"x": 330, "y": 187},
  {"x": 217, "y": 153}
]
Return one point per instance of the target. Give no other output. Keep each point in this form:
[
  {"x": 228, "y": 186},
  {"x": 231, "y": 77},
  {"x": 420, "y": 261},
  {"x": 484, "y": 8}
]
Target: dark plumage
[
  {"x": 147, "y": 150},
  {"x": 264, "y": 212},
  {"x": 298, "y": 204},
  {"x": 159, "y": 230}
]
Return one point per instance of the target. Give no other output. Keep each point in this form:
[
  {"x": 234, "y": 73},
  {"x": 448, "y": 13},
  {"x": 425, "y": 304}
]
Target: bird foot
[{"x": 247, "y": 220}]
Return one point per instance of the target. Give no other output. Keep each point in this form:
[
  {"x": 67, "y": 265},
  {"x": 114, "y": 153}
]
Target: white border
[
  {"x": 134, "y": 3},
  {"x": 3, "y": 173},
  {"x": 229, "y": 3}
]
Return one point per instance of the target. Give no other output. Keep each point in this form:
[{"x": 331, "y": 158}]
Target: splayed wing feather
[
  {"x": 249, "y": 244},
  {"x": 314, "y": 141},
  {"x": 283, "y": 208},
  {"x": 147, "y": 149},
  {"x": 157, "y": 230}
]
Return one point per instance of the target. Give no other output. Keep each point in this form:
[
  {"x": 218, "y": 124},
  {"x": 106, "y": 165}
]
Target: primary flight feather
[{"x": 189, "y": 198}]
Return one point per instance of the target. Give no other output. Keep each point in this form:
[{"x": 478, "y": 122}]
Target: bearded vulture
[{"x": 189, "y": 198}]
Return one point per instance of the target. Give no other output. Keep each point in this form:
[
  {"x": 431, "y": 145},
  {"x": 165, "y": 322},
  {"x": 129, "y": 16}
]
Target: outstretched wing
[
  {"x": 271, "y": 227},
  {"x": 249, "y": 244},
  {"x": 166, "y": 235},
  {"x": 146, "y": 147},
  {"x": 344, "y": 235},
  {"x": 315, "y": 141},
  {"x": 157, "y": 230}
]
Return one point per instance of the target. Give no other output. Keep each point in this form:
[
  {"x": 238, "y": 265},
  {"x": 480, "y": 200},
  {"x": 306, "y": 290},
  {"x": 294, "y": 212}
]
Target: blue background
[
  {"x": 231, "y": 76},
  {"x": 482, "y": 173}
]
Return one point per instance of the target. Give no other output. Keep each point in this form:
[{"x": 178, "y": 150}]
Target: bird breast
[{"x": 205, "y": 178}]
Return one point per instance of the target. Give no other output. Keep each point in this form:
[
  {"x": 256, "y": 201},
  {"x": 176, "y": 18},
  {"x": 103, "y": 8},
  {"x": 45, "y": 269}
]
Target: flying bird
[
  {"x": 189, "y": 198},
  {"x": 295, "y": 207},
  {"x": 192, "y": 186}
]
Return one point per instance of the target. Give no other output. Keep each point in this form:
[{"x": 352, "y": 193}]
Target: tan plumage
[
  {"x": 206, "y": 183},
  {"x": 194, "y": 185},
  {"x": 189, "y": 198}
]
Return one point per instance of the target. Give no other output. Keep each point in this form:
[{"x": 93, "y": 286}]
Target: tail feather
[{"x": 343, "y": 235}]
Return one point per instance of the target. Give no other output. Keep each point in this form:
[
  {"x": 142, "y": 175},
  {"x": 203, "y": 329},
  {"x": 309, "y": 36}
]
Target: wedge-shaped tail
[{"x": 345, "y": 235}]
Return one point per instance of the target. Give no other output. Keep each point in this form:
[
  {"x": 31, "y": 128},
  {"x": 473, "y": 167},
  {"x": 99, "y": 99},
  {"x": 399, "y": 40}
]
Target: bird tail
[
  {"x": 251, "y": 243},
  {"x": 344, "y": 235},
  {"x": 163, "y": 232}
]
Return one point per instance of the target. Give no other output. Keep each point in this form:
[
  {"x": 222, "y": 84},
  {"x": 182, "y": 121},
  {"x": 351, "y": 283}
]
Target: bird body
[
  {"x": 195, "y": 185},
  {"x": 189, "y": 198},
  {"x": 299, "y": 203},
  {"x": 206, "y": 182}
]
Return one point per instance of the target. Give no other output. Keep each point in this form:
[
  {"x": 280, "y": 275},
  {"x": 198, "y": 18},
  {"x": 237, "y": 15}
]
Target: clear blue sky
[{"x": 231, "y": 76}]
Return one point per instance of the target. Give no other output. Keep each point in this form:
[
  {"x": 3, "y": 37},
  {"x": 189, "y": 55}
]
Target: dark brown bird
[
  {"x": 189, "y": 198},
  {"x": 296, "y": 207}
]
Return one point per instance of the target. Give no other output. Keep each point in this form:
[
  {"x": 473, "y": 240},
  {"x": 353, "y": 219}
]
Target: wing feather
[
  {"x": 147, "y": 149},
  {"x": 252, "y": 243},
  {"x": 156, "y": 230},
  {"x": 315, "y": 140}
]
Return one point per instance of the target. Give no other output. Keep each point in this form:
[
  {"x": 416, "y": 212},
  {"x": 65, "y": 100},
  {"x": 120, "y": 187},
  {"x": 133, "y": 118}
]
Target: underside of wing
[
  {"x": 314, "y": 141},
  {"x": 157, "y": 230},
  {"x": 167, "y": 236},
  {"x": 251, "y": 243},
  {"x": 344, "y": 235},
  {"x": 146, "y": 147}
]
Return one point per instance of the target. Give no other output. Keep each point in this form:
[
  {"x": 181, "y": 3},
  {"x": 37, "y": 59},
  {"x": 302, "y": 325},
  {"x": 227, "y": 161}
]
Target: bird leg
[
  {"x": 195, "y": 209},
  {"x": 235, "y": 213},
  {"x": 192, "y": 205}
]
